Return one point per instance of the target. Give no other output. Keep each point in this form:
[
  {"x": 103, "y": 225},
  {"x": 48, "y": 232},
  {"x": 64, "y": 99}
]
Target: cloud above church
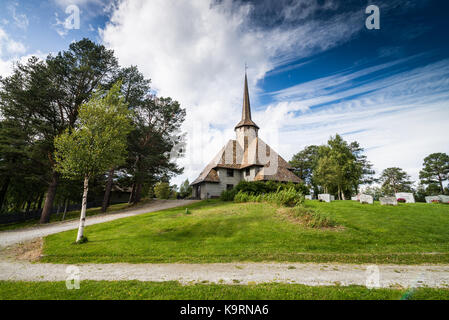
[{"x": 195, "y": 52}]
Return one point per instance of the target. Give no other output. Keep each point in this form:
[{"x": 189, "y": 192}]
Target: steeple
[{"x": 246, "y": 110}]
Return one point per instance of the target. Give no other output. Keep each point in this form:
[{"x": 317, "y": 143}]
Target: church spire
[{"x": 246, "y": 110}]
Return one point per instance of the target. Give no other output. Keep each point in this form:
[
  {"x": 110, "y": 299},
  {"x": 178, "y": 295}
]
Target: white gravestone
[
  {"x": 444, "y": 199},
  {"x": 430, "y": 199},
  {"x": 408, "y": 197},
  {"x": 355, "y": 198},
  {"x": 325, "y": 197},
  {"x": 388, "y": 201},
  {"x": 308, "y": 197},
  {"x": 364, "y": 198},
  {"x": 332, "y": 198}
]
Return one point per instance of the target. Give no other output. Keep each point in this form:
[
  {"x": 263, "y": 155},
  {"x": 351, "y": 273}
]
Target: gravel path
[
  {"x": 8, "y": 238},
  {"x": 228, "y": 273},
  {"x": 236, "y": 273}
]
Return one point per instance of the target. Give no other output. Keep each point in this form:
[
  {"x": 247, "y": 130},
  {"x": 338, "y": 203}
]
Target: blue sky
[{"x": 314, "y": 68}]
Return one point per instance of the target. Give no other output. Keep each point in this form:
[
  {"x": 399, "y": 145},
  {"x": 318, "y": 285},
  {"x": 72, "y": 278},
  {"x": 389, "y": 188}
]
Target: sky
[{"x": 314, "y": 68}]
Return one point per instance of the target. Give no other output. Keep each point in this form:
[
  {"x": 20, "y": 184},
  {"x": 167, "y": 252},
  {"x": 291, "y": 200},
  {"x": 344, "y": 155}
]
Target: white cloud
[
  {"x": 195, "y": 53},
  {"x": 12, "y": 51},
  {"x": 20, "y": 19},
  {"x": 399, "y": 119}
]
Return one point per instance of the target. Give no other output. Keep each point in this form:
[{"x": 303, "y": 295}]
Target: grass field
[
  {"x": 135, "y": 290},
  {"x": 224, "y": 232}
]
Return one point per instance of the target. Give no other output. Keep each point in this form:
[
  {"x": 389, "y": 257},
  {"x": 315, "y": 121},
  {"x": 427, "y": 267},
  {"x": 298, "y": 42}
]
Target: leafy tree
[
  {"x": 304, "y": 164},
  {"x": 436, "y": 170},
  {"x": 395, "y": 180},
  {"x": 364, "y": 173},
  {"x": 152, "y": 144},
  {"x": 46, "y": 96},
  {"x": 134, "y": 89},
  {"x": 162, "y": 190},
  {"x": 375, "y": 192},
  {"x": 340, "y": 166},
  {"x": 97, "y": 143},
  {"x": 185, "y": 190}
]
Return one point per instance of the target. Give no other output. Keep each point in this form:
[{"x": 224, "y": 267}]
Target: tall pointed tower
[
  {"x": 247, "y": 158},
  {"x": 246, "y": 130}
]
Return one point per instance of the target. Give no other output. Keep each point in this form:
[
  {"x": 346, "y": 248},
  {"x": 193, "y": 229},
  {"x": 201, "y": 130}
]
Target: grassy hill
[{"x": 223, "y": 232}]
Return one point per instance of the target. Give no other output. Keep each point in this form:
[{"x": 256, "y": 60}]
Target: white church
[{"x": 245, "y": 158}]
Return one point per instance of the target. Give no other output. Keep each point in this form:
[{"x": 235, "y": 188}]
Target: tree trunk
[
  {"x": 3, "y": 191},
  {"x": 65, "y": 209},
  {"x": 107, "y": 192},
  {"x": 441, "y": 184},
  {"x": 83, "y": 210},
  {"x": 138, "y": 194},
  {"x": 132, "y": 195},
  {"x": 51, "y": 193},
  {"x": 28, "y": 206}
]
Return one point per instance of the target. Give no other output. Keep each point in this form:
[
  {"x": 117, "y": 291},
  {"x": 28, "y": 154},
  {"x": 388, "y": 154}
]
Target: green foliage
[
  {"x": 337, "y": 168},
  {"x": 162, "y": 190},
  {"x": 261, "y": 187},
  {"x": 185, "y": 190},
  {"x": 282, "y": 197},
  {"x": 395, "y": 180},
  {"x": 435, "y": 171},
  {"x": 98, "y": 142},
  {"x": 228, "y": 195}
]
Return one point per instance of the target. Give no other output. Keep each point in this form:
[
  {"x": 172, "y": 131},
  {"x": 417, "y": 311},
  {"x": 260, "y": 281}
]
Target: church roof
[
  {"x": 246, "y": 110},
  {"x": 232, "y": 156}
]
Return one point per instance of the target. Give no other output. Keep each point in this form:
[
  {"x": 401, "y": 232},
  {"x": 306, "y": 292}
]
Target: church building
[{"x": 245, "y": 158}]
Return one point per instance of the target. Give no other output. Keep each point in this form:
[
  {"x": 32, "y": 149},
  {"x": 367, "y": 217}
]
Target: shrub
[
  {"x": 162, "y": 190},
  {"x": 228, "y": 195},
  {"x": 288, "y": 198},
  {"x": 260, "y": 187}
]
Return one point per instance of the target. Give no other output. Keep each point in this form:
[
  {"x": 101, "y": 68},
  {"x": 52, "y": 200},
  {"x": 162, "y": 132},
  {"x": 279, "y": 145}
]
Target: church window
[
  {"x": 248, "y": 172},
  {"x": 229, "y": 186},
  {"x": 230, "y": 172}
]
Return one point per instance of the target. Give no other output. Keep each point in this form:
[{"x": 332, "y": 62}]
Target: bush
[
  {"x": 228, "y": 195},
  {"x": 260, "y": 187},
  {"x": 287, "y": 198},
  {"x": 162, "y": 190}
]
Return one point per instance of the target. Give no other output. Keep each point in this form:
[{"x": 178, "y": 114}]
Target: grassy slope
[
  {"x": 172, "y": 291},
  {"x": 225, "y": 232}
]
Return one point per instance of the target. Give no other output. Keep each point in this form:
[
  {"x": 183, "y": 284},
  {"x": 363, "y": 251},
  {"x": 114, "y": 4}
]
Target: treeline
[
  {"x": 341, "y": 168},
  {"x": 41, "y": 100}
]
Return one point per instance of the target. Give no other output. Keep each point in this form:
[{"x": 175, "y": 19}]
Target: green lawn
[
  {"x": 223, "y": 232},
  {"x": 71, "y": 215},
  {"x": 122, "y": 290}
]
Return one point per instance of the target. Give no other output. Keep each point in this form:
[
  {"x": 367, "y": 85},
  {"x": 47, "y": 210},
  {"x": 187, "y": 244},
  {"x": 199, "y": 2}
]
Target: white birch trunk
[{"x": 83, "y": 210}]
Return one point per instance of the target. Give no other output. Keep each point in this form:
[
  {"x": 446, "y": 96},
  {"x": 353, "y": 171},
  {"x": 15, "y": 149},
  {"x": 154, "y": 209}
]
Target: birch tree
[{"x": 96, "y": 143}]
